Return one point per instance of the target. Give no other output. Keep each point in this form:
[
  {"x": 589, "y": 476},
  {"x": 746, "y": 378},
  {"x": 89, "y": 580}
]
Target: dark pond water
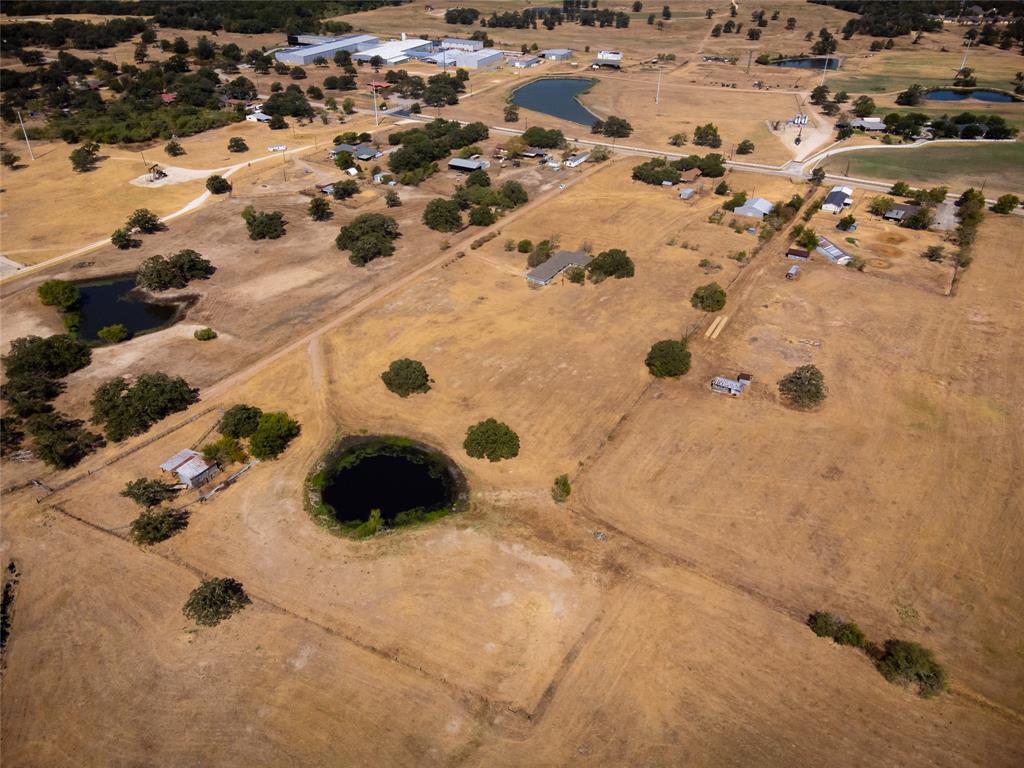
[
  {"x": 400, "y": 481},
  {"x": 980, "y": 95},
  {"x": 108, "y": 303},
  {"x": 815, "y": 63},
  {"x": 556, "y": 97}
]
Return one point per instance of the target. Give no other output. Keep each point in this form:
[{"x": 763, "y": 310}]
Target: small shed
[
  {"x": 732, "y": 387},
  {"x": 466, "y": 166},
  {"x": 191, "y": 467}
]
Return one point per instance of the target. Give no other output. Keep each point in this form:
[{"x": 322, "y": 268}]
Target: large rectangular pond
[
  {"x": 556, "y": 96},
  {"x": 980, "y": 94},
  {"x": 109, "y": 302}
]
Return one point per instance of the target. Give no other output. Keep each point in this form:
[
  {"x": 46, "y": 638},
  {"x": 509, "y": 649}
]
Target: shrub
[
  {"x": 58, "y": 293},
  {"x": 561, "y": 488},
  {"x": 611, "y": 263},
  {"x": 215, "y": 600},
  {"x": 263, "y": 226},
  {"x": 405, "y": 377},
  {"x": 524, "y": 246},
  {"x": 823, "y": 624},
  {"x": 1006, "y": 204},
  {"x": 443, "y": 215},
  {"x": 174, "y": 149},
  {"x": 154, "y": 527},
  {"x": 205, "y": 334},
  {"x": 273, "y": 433},
  {"x": 492, "y": 440},
  {"x": 225, "y": 450},
  {"x": 668, "y": 358},
  {"x": 113, "y": 334},
  {"x": 237, "y": 144},
  {"x": 218, "y": 185},
  {"x": 908, "y": 663},
  {"x": 240, "y": 421},
  {"x": 804, "y": 387},
  {"x": 710, "y": 297},
  {"x": 148, "y": 493}
]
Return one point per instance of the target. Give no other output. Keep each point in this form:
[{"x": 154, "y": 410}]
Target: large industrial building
[
  {"x": 310, "y": 53},
  {"x": 396, "y": 51},
  {"x": 485, "y": 59}
]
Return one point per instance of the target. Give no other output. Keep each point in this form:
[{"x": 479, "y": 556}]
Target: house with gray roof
[
  {"x": 756, "y": 208},
  {"x": 544, "y": 273}
]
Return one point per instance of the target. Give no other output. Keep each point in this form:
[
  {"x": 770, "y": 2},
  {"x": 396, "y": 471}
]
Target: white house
[{"x": 838, "y": 199}]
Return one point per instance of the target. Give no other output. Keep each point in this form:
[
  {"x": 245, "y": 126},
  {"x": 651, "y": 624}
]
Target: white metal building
[
  {"x": 309, "y": 54},
  {"x": 396, "y": 51}
]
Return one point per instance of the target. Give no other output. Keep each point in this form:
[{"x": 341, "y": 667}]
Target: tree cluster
[
  {"x": 122, "y": 409},
  {"x": 161, "y": 274},
  {"x": 367, "y": 237}
]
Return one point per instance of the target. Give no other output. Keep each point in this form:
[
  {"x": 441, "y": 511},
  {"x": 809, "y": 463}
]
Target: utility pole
[{"x": 25, "y": 134}]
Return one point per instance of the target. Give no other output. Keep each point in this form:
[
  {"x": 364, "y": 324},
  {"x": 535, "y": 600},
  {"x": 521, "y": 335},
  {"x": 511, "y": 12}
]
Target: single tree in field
[
  {"x": 319, "y": 209},
  {"x": 491, "y": 439},
  {"x": 215, "y": 600},
  {"x": 148, "y": 493},
  {"x": 668, "y": 358},
  {"x": 804, "y": 387},
  {"x": 405, "y": 377},
  {"x": 710, "y": 297},
  {"x": 85, "y": 157}
]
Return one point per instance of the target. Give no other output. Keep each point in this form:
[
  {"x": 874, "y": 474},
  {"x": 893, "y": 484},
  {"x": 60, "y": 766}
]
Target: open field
[
  {"x": 999, "y": 167},
  {"x": 677, "y": 636}
]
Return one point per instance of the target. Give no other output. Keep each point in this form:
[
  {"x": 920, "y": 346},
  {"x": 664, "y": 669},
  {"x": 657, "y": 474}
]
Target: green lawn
[{"x": 1000, "y": 167}]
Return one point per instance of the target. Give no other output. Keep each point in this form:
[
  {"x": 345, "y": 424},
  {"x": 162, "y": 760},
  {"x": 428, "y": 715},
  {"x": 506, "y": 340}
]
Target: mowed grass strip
[{"x": 998, "y": 166}]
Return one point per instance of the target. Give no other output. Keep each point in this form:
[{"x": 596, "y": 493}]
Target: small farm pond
[
  {"x": 407, "y": 482},
  {"x": 112, "y": 301},
  {"x": 944, "y": 94},
  {"x": 815, "y": 63},
  {"x": 556, "y": 96}
]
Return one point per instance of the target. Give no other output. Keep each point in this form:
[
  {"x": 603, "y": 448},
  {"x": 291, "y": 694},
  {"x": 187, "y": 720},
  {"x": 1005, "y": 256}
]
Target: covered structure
[
  {"x": 467, "y": 166},
  {"x": 544, "y": 273},
  {"x": 191, "y": 467},
  {"x": 310, "y": 53},
  {"x": 557, "y": 54},
  {"x": 396, "y": 51},
  {"x": 900, "y": 212},
  {"x": 755, "y": 208}
]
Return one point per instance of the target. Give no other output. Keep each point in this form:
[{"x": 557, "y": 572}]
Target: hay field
[
  {"x": 509, "y": 635},
  {"x": 997, "y": 167}
]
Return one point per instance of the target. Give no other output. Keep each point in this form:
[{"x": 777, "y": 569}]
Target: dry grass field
[
  {"x": 657, "y": 617},
  {"x": 508, "y": 635}
]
